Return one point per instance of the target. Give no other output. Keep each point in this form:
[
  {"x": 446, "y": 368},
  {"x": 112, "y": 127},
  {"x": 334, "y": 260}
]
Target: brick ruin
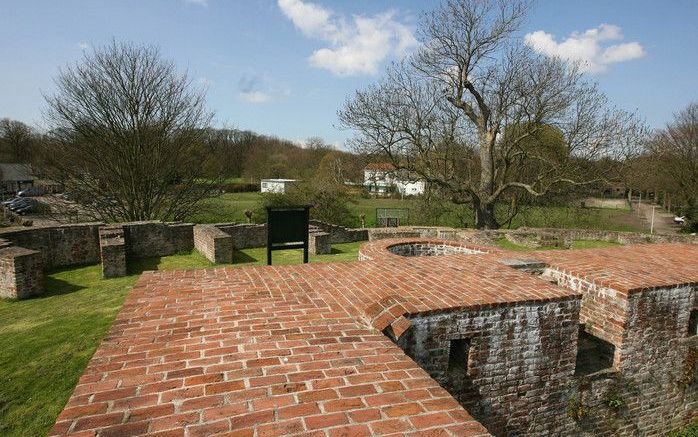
[{"x": 421, "y": 335}]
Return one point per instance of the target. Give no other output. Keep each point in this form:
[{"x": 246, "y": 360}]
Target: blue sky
[{"x": 284, "y": 67}]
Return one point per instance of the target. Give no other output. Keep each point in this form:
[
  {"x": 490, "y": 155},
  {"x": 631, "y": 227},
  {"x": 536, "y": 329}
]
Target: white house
[
  {"x": 276, "y": 185},
  {"x": 380, "y": 177}
]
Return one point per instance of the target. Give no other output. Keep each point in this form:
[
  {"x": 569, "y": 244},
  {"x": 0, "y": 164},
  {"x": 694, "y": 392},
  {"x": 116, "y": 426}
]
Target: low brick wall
[
  {"x": 341, "y": 234},
  {"x": 113, "y": 251},
  {"x": 213, "y": 243},
  {"x": 319, "y": 243},
  {"x": 60, "y": 246},
  {"x": 153, "y": 238},
  {"x": 21, "y": 273},
  {"x": 245, "y": 236},
  {"x": 428, "y": 248}
]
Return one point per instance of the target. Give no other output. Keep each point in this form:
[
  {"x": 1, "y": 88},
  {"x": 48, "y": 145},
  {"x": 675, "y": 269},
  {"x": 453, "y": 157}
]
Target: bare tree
[
  {"x": 467, "y": 110},
  {"x": 128, "y": 135},
  {"x": 16, "y": 141}
]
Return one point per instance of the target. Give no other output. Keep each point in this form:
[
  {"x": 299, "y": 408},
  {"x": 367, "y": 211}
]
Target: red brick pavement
[{"x": 295, "y": 350}]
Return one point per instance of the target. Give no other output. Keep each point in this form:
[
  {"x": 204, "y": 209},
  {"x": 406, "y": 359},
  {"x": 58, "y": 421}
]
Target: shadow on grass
[
  {"x": 140, "y": 265},
  {"x": 56, "y": 287},
  {"x": 240, "y": 257}
]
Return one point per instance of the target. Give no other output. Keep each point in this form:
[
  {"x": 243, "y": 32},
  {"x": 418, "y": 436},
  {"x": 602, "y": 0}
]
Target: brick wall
[
  {"x": 113, "y": 251},
  {"x": 341, "y": 234},
  {"x": 213, "y": 243},
  {"x": 245, "y": 236},
  {"x": 603, "y": 311},
  {"x": 21, "y": 273},
  {"x": 653, "y": 389},
  {"x": 153, "y": 238},
  {"x": 319, "y": 243},
  {"x": 59, "y": 245},
  {"x": 426, "y": 248},
  {"x": 520, "y": 360}
]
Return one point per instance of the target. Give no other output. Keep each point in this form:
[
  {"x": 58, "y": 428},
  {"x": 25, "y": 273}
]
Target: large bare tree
[
  {"x": 473, "y": 110},
  {"x": 128, "y": 135}
]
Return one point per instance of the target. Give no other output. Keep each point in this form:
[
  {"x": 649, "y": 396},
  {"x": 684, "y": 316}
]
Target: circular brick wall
[
  {"x": 405, "y": 247},
  {"x": 428, "y": 248}
]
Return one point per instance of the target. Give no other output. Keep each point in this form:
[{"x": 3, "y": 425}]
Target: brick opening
[
  {"x": 593, "y": 353},
  {"x": 693, "y": 323},
  {"x": 458, "y": 357}
]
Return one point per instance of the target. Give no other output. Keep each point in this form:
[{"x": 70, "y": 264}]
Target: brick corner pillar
[
  {"x": 213, "y": 243},
  {"x": 319, "y": 243},
  {"x": 112, "y": 245},
  {"x": 21, "y": 273}
]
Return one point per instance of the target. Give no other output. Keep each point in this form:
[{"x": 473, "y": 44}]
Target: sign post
[{"x": 287, "y": 228}]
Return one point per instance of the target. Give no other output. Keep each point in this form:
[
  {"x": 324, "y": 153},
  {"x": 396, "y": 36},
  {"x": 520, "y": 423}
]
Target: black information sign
[{"x": 287, "y": 228}]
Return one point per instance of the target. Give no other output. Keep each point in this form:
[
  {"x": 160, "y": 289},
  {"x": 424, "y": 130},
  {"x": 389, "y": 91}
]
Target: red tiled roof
[
  {"x": 629, "y": 269},
  {"x": 380, "y": 166}
]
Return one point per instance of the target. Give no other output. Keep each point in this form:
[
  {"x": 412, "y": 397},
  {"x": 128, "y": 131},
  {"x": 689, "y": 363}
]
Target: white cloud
[
  {"x": 255, "y": 97},
  {"x": 202, "y": 3},
  {"x": 258, "y": 88},
  {"x": 82, "y": 45},
  {"x": 591, "y": 49},
  {"x": 356, "y": 46}
]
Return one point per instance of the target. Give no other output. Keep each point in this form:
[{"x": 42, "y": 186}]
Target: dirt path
[{"x": 663, "y": 220}]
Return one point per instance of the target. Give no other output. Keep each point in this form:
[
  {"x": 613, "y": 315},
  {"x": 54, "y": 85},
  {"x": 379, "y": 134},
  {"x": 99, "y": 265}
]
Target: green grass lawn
[
  {"x": 230, "y": 208},
  {"x": 46, "y": 342},
  {"x": 576, "y": 244}
]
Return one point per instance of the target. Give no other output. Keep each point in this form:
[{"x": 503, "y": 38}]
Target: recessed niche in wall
[
  {"x": 693, "y": 323},
  {"x": 593, "y": 353},
  {"x": 458, "y": 357}
]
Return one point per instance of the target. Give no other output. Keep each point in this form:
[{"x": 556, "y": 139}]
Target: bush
[
  {"x": 329, "y": 203},
  {"x": 689, "y": 431}
]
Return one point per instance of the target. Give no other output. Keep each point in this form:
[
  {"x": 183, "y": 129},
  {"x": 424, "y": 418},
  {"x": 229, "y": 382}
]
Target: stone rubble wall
[{"x": 21, "y": 273}]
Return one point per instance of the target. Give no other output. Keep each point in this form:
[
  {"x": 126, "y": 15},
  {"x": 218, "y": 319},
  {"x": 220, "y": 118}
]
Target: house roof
[
  {"x": 380, "y": 166},
  {"x": 15, "y": 172}
]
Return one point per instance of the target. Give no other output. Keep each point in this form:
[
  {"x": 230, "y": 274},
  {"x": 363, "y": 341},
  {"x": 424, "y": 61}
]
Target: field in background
[{"x": 230, "y": 208}]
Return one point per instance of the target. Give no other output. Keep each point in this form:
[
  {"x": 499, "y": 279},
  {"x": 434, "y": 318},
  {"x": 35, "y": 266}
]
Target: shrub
[{"x": 329, "y": 203}]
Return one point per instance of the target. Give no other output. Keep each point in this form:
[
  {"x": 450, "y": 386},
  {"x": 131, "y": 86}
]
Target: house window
[
  {"x": 458, "y": 357},
  {"x": 593, "y": 353},
  {"x": 693, "y": 323}
]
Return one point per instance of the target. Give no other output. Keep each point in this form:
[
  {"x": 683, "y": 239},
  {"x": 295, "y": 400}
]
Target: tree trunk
[
  {"x": 484, "y": 212},
  {"x": 484, "y": 215}
]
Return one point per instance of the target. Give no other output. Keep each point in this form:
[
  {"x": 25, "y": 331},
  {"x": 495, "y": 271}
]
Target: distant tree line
[
  {"x": 668, "y": 165},
  {"x": 130, "y": 138}
]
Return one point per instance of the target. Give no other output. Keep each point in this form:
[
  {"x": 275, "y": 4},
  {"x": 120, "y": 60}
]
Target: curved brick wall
[
  {"x": 410, "y": 247},
  {"x": 428, "y": 248}
]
